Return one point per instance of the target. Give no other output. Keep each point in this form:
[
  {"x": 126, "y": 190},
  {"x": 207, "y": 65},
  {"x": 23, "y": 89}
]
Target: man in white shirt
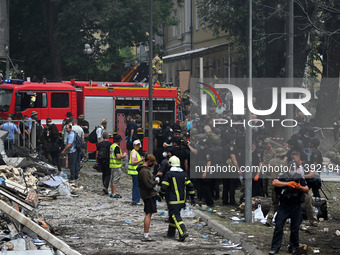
[
  {"x": 80, "y": 132},
  {"x": 101, "y": 129}
]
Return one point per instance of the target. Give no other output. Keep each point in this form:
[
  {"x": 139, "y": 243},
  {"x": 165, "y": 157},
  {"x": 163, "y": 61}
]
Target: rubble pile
[
  {"x": 22, "y": 184},
  {"x": 14, "y": 174}
]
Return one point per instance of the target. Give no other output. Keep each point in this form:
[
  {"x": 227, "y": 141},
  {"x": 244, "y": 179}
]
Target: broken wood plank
[
  {"x": 15, "y": 199},
  {"x": 16, "y": 186},
  {"x": 48, "y": 237}
]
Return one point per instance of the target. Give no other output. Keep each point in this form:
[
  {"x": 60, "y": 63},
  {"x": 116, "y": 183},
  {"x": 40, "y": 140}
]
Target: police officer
[
  {"x": 175, "y": 186},
  {"x": 167, "y": 134},
  {"x": 231, "y": 181},
  {"x": 293, "y": 145},
  {"x": 291, "y": 187}
]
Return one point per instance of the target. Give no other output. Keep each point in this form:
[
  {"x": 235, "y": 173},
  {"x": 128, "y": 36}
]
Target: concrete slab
[{"x": 19, "y": 244}]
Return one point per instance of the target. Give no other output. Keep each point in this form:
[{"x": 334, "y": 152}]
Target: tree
[
  {"x": 49, "y": 35},
  {"x": 330, "y": 51}
]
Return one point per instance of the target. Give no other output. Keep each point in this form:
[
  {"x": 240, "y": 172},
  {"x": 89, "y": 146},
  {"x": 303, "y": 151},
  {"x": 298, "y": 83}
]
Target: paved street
[{"x": 96, "y": 224}]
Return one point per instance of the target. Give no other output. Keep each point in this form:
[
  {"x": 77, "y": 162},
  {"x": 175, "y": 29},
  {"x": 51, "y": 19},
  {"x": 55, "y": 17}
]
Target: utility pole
[
  {"x": 248, "y": 152},
  {"x": 150, "y": 129},
  {"x": 290, "y": 65}
]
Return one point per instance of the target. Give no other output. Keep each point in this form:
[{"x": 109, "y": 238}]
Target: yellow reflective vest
[
  {"x": 114, "y": 162},
  {"x": 132, "y": 169}
]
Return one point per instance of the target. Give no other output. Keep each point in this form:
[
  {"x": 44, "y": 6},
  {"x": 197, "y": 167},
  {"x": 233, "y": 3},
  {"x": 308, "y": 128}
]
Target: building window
[{"x": 33, "y": 100}]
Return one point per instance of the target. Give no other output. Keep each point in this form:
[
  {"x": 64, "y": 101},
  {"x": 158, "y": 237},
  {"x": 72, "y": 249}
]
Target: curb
[{"x": 225, "y": 232}]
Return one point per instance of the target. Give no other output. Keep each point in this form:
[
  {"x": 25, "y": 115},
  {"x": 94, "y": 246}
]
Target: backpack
[
  {"x": 104, "y": 152},
  {"x": 93, "y": 136},
  {"x": 78, "y": 142}
]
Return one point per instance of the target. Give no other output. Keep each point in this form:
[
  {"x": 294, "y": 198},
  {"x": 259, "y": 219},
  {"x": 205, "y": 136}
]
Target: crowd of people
[{"x": 179, "y": 147}]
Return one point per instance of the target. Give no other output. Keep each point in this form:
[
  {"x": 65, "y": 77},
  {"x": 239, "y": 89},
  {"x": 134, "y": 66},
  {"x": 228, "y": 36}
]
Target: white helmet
[{"x": 174, "y": 161}]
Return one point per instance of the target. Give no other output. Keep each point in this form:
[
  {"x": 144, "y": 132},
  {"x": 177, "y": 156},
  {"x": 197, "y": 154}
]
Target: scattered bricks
[{"x": 32, "y": 198}]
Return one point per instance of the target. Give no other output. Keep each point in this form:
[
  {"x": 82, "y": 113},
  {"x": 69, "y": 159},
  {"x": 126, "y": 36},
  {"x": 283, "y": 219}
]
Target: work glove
[
  {"x": 292, "y": 184},
  {"x": 297, "y": 185},
  {"x": 130, "y": 139},
  {"x": 126, "y": 138}
]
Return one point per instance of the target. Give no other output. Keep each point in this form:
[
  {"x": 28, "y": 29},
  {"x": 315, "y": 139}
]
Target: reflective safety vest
[
  {"x": 114, "y": 162},
  {"x": 132, "y": 169}
]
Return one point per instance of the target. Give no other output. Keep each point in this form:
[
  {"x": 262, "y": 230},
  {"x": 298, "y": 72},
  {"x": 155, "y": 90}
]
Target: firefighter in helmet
[
  {"x": 157, "y": 69},
  {"x": 175, "y": 186}
]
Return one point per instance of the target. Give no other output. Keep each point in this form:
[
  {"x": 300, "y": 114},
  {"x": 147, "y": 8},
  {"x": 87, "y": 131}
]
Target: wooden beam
[{"x": 47, "y": 236}]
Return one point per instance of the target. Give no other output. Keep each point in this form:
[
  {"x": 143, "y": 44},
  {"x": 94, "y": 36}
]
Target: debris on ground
[{"x": 24, "y": 180}]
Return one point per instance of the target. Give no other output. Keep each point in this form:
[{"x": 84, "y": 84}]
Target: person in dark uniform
[
  {"x": 178, "y": 151},
  {"x": 50, "y": 140},
  {"x": 174, "y": 187},
  {"x": 231, "y": 181},
  {"x": 257, "y": 160},
  {"x": 164, "y": 165},
  {"x": 315, "y": 163},
  {"x": 207, "y": 184},
  {"x": 293, "y": 144},
  {"x": 132, "y": 134},
  {"x": 291, "y": 187},
  {"x": 103, "y": 156}
]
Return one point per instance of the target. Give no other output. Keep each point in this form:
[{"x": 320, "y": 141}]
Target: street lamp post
[{"x": 87, "y": 51}]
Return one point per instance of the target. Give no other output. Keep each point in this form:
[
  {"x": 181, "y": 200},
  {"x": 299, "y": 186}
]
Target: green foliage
[
  {"x": 126, "y": 54},
  {"x": 49, "y": 35}
]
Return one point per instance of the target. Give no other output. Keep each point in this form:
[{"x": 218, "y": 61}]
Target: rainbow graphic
[{"x": 209, "y": 93}]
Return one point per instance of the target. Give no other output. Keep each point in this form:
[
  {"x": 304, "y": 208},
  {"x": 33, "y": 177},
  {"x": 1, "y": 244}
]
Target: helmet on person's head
[
  {"x": 174, "y": 161},
  {"x": 193, "y": 131},
  {"x": 267, "y": 140},
  {"x": 280, "y": 152}
]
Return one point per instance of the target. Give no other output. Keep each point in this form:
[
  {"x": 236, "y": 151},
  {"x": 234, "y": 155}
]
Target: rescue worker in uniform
[
  {"x": 157, "y": 69},
  {"x": 175, "y": 186},
  {"x": 134, "y": 161},
  {"x": 291, "y": 187}
]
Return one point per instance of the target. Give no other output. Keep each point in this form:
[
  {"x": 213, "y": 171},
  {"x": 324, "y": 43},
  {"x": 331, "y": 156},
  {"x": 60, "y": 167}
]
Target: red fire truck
[{"x": 96, "y": 100}]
